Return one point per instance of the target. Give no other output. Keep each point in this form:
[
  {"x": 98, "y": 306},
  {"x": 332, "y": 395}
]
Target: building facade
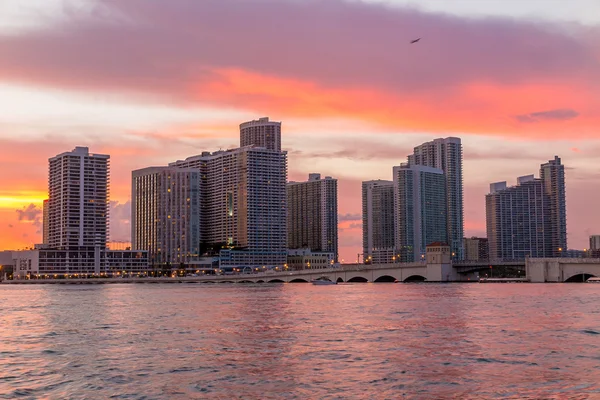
[
  {"x": 165, "y": 214},
  {"x": 378, "y": 221},
  {"x": 302, "y": 259},
  {"x": 312, "y": 220},
  {"x": 243, "y": 204},
  {"x": 476, "y": 249},
  {"x": 261, "y": 133},
  {"x": 45, "y": 224},
  {"x": 78, "y": 199},
  {"x": 595, "y": 242},
  {"x": 420, "y": 210},
  {"x": 518, "y": 220},
  {"x": 82, "y": 263},
  {"x": 553, "y": 175},
  {"x": 446, "y": 155}
]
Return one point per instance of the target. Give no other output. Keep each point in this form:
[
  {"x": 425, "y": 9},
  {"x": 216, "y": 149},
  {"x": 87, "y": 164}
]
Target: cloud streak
[
  {"x": 223, "y": 53},
  {"x": 552, "y": 115}
]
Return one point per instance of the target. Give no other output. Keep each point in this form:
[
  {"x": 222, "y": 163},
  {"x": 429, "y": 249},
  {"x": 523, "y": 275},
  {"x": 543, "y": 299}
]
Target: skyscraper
[
  {"x": 243, "y": 204},
  {"x": 312, "y": 214},
  {"x": 378, "y": 221},
  {"x": 78, "y": 200},
  {"x": 528, "y": 219},
  {"x": 261, "y": 133},
  {"x": 446, "y": 154},
  {"x": 420, "y": 210},
  {"x": 165, "y": 214},
  {"x": 553, "y": 175},
  {"x": 45, "y": 227}
]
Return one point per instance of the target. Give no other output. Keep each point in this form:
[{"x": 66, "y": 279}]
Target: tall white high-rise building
[
  {"x": 312, "y": 214},
  {"x": 261, "y": 133},
  {"x": 529, "y": 219},
  {"x": 243, "y": 204},
  {"x": 420, "y": 210},
  {"x": 553, "y": 175},
  {"x": 378, "y": 221},
  {"x": 446, "y": 154},
  {"x": 78, "y": 199},
  {"x": 165, "y": 214}
]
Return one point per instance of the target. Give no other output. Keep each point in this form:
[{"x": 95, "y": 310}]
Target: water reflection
[{"x": 301, "y": 341}]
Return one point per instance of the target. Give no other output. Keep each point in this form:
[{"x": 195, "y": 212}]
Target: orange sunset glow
[{"x": 149, "y": 83}]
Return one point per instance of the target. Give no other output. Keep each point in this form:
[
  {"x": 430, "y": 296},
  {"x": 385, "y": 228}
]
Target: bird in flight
[{"x": 415, "y": 41}]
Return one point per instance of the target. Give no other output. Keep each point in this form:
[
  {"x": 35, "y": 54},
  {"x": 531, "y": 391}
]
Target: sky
[{"x": 151, "y": 82}]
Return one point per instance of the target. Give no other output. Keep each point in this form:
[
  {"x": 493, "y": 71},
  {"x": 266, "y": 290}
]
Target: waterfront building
[
  {"x": 44, "y": 263},
  {"x": 261, "y": 133},
  {"x": 476, "y": 249},
  {"x": 78, "y": 199},
  {"x": 553, "y": 175},
  {"x": 528, "y": 220},
  {"x": 243, "y": 205},
  {"x": 165, "y": 214},
  {"x": 420, "y": 210},
  {"x": 312, "y": 220},
  {"x": 378, "y": 221},
  {"x": 446, "y": 155},
  {"x": 301, "y": 259}
]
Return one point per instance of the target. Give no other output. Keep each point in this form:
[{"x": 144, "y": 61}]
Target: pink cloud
[{"x": 334, "y": 58}]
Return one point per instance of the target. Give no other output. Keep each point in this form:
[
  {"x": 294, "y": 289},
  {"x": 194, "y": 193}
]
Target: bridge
[{"x": 437, "y": 268}]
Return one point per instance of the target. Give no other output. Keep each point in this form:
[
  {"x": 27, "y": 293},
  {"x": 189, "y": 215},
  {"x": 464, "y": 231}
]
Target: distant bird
[{"x": 415, "y": 41}]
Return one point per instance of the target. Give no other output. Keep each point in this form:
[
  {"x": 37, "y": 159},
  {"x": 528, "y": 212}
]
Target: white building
[
  {"x": 78, "y": 199},
  {"x": 301, "y": 259},
  {"x": 312, "y": 220},
  {"x": 446, "y": 154},
  {"x": 261, "y": 133},
  {"x": 420, "y": 210},
  {"x": 378, "y": 221},
  {"x": 243, "y": 204},
  {"x": 595, "y": 242},
  {"x": 53, "y": 263},
  {"x": 165, "y": 214}
]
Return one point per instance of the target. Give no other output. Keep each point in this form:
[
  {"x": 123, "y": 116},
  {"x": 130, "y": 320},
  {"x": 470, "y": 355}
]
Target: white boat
[
  {"x": 593, "y": 280},
  {"x": 322, "y": 282}
]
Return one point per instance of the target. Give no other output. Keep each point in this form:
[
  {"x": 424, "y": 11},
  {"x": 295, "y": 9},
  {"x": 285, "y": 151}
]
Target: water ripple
[{"x": 300, "y": 342}]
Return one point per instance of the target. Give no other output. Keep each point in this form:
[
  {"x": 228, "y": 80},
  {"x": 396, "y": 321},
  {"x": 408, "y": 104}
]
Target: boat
[
  {"x": 322, "y": 282},
  {"x": 593, "y": 280}
]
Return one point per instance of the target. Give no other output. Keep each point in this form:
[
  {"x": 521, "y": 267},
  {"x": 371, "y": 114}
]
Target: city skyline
[{"x": 509, "y": 109}]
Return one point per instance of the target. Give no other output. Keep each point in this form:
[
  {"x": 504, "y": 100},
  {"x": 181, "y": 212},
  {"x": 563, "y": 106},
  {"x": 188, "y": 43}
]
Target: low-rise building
[
  {"x": 53, "y": 263},
  {"x": 299, "y": 259},
  {"x": 476, "y": 249}
]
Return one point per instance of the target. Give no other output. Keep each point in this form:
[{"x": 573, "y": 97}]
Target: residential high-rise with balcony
[
  {"x": 378, "y": 221},
  {"x": 553, "y": 175},
  {"x": 165, "y": 214},
  {"x": 261, "y": 133},
  {"x": 312, "y": 215},
  {"x": 243, "y": 204},
  {"x": 446, "y": 155},
  {"x": 78, "y": 196},
  {"x": 45, "y": 227},
  {"x": 420, "y": 210}
]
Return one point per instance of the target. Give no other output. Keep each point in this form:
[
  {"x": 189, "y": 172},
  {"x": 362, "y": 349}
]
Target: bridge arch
[
  {"x": 260, "y": 281},
  {"x": 581, "y": 277},
  {"x": 415, "y": 278},
  {"x": 245, "y": 282},
  {"x": 358, "y": 279},
  {"x": 339, "y": 280},
  {"x": 275, "y": 281},
  {"x": 298, "y": 280},
  {"x": 385, "y": 279}
]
